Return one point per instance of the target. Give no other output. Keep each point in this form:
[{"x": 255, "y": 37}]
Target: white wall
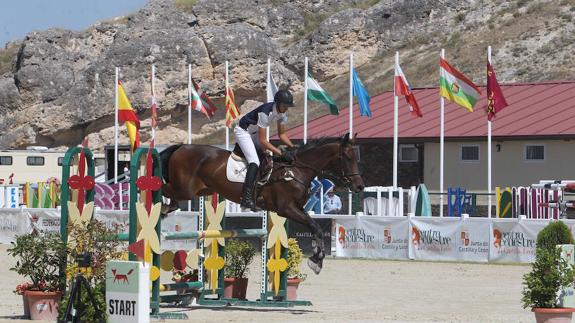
[{"x": 509, "y": 167}]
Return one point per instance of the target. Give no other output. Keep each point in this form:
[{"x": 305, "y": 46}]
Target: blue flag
[{"x": 363, "y": 98}]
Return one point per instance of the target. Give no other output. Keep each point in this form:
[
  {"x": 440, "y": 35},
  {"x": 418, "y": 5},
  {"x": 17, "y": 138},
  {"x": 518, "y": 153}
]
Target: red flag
[
  {"x": 402, "y": 88},
  {"x": 495, "y": 99}
]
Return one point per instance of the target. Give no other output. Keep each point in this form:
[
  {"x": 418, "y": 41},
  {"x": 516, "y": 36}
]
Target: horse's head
[{"x": 346, "y": 164}]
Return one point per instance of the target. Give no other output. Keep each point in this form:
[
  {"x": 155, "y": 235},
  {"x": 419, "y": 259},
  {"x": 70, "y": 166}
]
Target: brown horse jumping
[{"x": 200, "y": 170}]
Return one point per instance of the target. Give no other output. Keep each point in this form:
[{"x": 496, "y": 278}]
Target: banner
[
  {"x": 434, "y": 238},
  {"x": 514, "y": 241},
  {"x": 43, "y": 219},
  {"x": 12, "y": 223},
  {"x": 372, "y": 237},
  {"x": 114, "y": 218},
  {"x": 180, "y": 222},
  {"x": 473, "y": 241}
]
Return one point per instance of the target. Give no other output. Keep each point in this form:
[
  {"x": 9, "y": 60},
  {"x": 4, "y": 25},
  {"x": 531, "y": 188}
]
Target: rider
[{"x": 251, "y": 132}]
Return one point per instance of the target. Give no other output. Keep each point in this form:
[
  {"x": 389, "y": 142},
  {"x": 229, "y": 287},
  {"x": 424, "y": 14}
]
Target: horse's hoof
[{"x": 315, "y": 266}]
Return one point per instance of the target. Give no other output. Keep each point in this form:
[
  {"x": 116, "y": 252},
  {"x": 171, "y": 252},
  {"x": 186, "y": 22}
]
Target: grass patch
[{"x": 185, "y": 5}]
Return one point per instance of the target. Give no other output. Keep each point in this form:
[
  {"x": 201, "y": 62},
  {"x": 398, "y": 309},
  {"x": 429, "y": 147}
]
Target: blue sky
[{"x": 19, "y": 17}]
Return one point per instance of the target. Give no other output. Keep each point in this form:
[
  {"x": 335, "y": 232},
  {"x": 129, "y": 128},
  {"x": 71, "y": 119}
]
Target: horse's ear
[
  {"x": 345, "y": 139},
  {"x": 353, "y": 140}
]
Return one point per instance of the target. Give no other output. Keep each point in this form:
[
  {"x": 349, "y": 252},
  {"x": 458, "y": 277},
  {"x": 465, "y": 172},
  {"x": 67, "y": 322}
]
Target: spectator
[{"x": 332, "y": 203}]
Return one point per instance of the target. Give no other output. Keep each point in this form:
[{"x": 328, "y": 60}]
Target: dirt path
[{"x": 364, "y": 291}]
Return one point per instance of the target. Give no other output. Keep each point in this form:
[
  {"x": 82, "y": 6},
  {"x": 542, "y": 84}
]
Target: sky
[{"x": 19, "y": 17}]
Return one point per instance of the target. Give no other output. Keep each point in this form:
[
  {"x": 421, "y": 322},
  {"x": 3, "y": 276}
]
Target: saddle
[{"x": 237, "y": 166}]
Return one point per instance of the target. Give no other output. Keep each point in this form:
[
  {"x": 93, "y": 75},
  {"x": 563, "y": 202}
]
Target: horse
[{"x": 200, "y": 170}]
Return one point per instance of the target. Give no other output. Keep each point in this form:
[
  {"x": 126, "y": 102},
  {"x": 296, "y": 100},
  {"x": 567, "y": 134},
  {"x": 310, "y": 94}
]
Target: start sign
[{"x": 127, "y": 291}]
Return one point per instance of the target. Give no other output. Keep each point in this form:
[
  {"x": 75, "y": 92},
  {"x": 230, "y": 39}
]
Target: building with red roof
[{"x": 532, "y": 138}]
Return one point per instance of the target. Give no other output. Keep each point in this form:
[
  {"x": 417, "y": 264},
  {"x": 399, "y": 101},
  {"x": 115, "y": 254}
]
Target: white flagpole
[
  {"x": 441, "y": 147},
  {"x": 351, "y": 95},
  {"x": 227, "y": 129},
  {"x": 116, "y": 129},
  {"x": 395, "y": 126},
  {"x": 305, "y": 101},
  {"x": 489, "y": 150},
  {"x": 190, "y": 115},
  {"x": 190, "y": 103},
  {"x": 267, "y": 90},
  {"x": 154, "y": 95}
]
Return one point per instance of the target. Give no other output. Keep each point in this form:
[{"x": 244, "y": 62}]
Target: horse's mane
[{"x": 316, "y": 142}]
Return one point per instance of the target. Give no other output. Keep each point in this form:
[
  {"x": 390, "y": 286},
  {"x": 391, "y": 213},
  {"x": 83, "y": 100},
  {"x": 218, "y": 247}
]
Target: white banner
[
  {"x": 473, "y": 241},
  {"x": 514, "y": 241},
  {"x": 44, "y": 219},
  {"x": 372, "y": 237},
  {"x": 434, "y": 238},
  {"x": 13, "y": 222},
  {"x": 113, "y": 219}
]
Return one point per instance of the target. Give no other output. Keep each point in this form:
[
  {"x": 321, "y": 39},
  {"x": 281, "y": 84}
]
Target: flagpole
[
  {"x": 190, "y": 104},
  {"x": 153, "y": 95},
  {"x": 489, "y": 150},
  {"x": 116, "y": 129},
  {"x": 351, "y": 94},
  {"x": 395, "y": 125},
  {"x": 441, "y": 147},
  {"x": 305, "y": 101},
  {"x": 227, "y": 129},
  {"x": 267, "y": 90}
]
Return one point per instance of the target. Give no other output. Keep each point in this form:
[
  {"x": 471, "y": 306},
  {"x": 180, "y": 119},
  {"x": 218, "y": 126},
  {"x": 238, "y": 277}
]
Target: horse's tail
[{"x": 165, "y": 159}]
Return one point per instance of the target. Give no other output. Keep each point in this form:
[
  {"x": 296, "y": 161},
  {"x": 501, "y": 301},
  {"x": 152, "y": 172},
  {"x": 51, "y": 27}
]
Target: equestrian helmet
[{"x": 284, "y": 97}]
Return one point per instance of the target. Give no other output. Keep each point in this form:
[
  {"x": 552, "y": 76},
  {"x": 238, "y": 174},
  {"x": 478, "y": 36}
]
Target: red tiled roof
[{"x": 542, "y": 109}]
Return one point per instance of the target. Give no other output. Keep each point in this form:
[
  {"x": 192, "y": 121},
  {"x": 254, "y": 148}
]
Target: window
[
  {"x": 408, "y": 153},
  {"x": 534, "y": 152},
  {"x": 470, "y": 153},
  {"x": 35, "y": 161},
  {"x": 5, "y": 160},
  {"x": 60, "y": 161}
]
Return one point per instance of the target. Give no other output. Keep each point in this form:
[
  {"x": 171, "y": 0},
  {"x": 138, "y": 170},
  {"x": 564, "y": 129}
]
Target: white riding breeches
[{"x": 246, "y": 142}]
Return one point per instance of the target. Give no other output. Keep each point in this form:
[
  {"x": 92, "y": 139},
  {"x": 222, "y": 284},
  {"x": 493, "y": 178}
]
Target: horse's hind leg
[{"x": 315, "y": 262}]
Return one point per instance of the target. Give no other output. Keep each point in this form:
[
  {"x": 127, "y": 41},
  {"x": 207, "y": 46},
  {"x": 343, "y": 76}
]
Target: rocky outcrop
[{"x": 59, "y": 86}]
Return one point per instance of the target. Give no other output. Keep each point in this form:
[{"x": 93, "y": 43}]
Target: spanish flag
[
  {"x": 127, "y": 115},
  {"x": 232, "y": 110}
]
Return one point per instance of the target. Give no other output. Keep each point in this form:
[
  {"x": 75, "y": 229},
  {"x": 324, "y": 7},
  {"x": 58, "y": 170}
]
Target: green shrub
[
  {"x": 549, "y": 273},
  {"x": 239, "y": 255},
  {"x": 555, "y": 233}
]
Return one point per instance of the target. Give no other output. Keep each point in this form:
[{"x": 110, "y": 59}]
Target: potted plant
[
  {"x": 39, "y": 258},
  {"x": 88, "y": 241},
  {"x": 239, "y": 255},
  {"x": 550, "y": 275},
  {"x": 294, "y": 275}
]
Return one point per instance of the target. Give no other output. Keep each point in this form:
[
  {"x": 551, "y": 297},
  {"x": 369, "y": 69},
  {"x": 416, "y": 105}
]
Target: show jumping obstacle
[{"x": 145, "y": 237}]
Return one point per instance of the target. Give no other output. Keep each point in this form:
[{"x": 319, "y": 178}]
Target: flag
[
  {"x": 201, "y": 102},
  {"x": 232, "y": 111},
  {"x": 495, "y": 99},
  {"x": 456, "y": 87},
  {"x": 271, "y": 88},
  {"x": 402, "y": 88},
  {"x": 47, "y": 196},
  {"x": 316, "y": 93},
  {"x": 127, "y": 115},
  {"x": 362, "y": 96}
]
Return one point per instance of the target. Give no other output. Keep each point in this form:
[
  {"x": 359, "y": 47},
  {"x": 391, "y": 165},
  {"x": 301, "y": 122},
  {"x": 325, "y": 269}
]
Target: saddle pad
[{"x": 236, "y": 169}]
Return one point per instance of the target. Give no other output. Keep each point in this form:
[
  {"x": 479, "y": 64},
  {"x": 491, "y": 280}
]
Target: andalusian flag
[
  {"x": 232, "y": 111},
  {"x": 126, "y": 114},
  {"x": 201, "y": 102},
  {"x": 456, "y": 87},
  {"x": 316, "y": 93}
]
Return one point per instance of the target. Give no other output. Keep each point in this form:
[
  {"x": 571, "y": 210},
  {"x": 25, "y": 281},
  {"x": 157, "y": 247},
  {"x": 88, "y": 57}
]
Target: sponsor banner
[
  {"x": 114, "y": 218},
  {"x": 372, "y": 237},
  {"x": 434, "y": 238},
  {"x": 43, "y": 219},
  {"x": 180, "y": 222},
  {"x": 473, "y": 240},
  {"x": 13, "y": 222},
  {"x": 514, "y": 241},
  {"x": 304, "y": 236}
]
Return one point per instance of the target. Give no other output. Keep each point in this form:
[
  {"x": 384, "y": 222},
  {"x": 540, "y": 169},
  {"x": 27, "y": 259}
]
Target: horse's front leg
[{"x": 315, "y": 262}]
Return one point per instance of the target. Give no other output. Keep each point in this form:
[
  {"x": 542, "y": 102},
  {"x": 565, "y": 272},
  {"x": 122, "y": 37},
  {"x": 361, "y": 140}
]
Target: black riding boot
[{"x": 247, "y": 200}]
